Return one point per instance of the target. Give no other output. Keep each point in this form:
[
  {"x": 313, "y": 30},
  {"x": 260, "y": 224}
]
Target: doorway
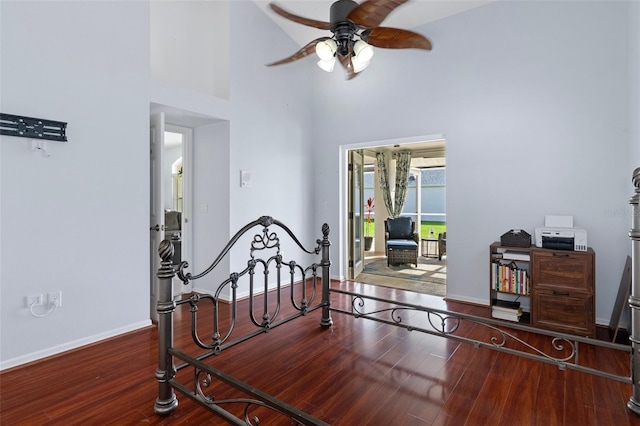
[
  {"x": 170, "y": 198},
  {"x": 425, "y": 204}
]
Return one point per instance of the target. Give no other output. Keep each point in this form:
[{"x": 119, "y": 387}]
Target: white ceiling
[{"x": 410, "y": 15}]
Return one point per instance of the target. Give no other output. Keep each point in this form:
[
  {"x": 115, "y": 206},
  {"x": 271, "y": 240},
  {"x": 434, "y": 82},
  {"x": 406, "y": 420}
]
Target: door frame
[
  {"x": 343, "y": 204},
  {"x": 356, "y": 216},
  {"x": 156, "y": 206}
]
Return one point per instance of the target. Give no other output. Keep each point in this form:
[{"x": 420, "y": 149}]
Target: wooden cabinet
[
  {"x": 563, "y": 291},
  {"x": 559, "y": 289}
]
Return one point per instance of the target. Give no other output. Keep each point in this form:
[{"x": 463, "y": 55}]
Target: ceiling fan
[{"x": 355, "y": 29}]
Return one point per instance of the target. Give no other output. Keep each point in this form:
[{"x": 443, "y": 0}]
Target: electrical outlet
[
  {"x": 55, "y": 299},
  {"x": 33, "y": 300}
]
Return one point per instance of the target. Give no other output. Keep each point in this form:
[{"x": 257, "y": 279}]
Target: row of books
[
  {"x": 509, "y": 278},
  {"x": 506, "y": 310}
]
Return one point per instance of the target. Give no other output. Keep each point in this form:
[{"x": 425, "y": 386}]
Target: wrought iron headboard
[{"x": 303, "y": 283}]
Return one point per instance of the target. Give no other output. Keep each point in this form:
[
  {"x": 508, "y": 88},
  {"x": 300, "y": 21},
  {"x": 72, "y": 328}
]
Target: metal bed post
[
  {"x": 634, "y": 299},
  {"x": 326, "y": 320},
  {"x": 166, "y": 402}
]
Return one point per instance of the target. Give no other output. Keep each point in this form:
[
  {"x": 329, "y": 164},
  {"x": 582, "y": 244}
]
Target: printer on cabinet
[{"x": 561, "y": 238}]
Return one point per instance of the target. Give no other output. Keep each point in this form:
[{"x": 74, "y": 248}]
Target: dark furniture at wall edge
[{"x": 442, "y": 244}]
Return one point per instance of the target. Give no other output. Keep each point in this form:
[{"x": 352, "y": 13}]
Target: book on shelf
[
  {"x": 509, "y": 316},
  {"x": 513, "y": 311}
]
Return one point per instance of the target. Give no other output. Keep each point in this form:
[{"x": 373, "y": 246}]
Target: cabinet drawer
[
  {"x": 567, "y": 269},
  {"x": 564, "y": 311}
]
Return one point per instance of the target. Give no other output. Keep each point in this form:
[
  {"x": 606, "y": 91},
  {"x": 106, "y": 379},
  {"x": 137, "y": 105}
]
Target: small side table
[{"x": 429, "y": 247}]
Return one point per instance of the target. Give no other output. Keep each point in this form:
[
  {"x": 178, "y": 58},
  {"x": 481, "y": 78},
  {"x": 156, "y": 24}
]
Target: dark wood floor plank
[
  {"x": 357, "y": 372},
  {"x": 489, "y": 404},
  {"x": 521, "y": 397}
]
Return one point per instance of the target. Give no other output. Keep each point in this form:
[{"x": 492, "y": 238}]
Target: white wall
[
  {"x": 78, "y": 220},
  {"x": 270, "y": 129},
  {"x": 532, "y": 100},
  {"x": 190, "y": 45},
  {"x": 210, "y": 207},
  {"x": 266, "y": 132},
  {"x": 76, "y": 217}
]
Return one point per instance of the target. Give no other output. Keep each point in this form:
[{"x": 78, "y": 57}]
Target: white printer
[{"x": 559, "y": 234}]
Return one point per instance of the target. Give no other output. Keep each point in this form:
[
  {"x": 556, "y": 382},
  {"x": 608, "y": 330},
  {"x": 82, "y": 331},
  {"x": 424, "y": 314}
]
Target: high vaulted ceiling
[{"x": 410, "y": 15}]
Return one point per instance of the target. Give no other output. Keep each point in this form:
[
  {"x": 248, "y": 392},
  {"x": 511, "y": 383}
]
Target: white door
[
  {"x": 356, "y": 208},
  {"x": 156, "y": 219}
]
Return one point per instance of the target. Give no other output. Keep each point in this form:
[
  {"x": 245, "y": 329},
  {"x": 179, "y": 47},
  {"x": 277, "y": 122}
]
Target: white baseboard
[
  {"x": 35, "y": 356},
  {"x": 458, "y": 298}
]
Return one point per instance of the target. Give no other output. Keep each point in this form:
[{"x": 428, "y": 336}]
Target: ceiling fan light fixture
[
  {"x": 363, "y": 51},
  {"x": 355, "y": 28},
  {"x": 326, "y": 49},
  {"x": 327, "y": 65}
]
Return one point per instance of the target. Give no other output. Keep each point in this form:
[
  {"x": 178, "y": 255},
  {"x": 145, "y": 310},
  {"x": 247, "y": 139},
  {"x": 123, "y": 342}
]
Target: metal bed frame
[{"x": 564, "y": 350}]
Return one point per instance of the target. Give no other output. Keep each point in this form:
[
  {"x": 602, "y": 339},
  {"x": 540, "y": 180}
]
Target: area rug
[{"x": 429, "y": 277}]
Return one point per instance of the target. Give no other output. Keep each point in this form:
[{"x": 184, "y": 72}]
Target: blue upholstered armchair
[{"x": 401, "y": 240}]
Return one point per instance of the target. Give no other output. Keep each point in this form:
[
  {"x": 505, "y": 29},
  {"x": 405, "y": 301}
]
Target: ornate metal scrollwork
[
  {"x": 444, "y": 319},
  {"x": 267, "y": 240},
  {"x": 202, "y": 380},
  {"x": 563, "y": 350},
  {"x": 182, "y": 276}
]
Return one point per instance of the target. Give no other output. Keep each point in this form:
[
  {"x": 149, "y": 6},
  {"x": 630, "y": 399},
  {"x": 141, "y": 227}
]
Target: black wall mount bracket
[{"x": 32, "y": 128}]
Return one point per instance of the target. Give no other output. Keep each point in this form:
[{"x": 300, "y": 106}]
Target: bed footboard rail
[
  {"x": 264, "y": 275},
  {"x": 204, "y": 376}
]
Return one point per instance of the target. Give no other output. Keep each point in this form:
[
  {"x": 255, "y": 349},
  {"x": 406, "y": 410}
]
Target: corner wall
[{"x": 535, "y": 123}]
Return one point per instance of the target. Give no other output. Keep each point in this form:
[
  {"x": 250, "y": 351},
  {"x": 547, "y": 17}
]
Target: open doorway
[
  {"x": 425, "y": 203},
  {"x": 170, "y": 198}
]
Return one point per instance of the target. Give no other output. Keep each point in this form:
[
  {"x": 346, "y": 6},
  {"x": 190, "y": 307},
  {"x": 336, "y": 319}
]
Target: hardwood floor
[{"x": 358, "y": 372}]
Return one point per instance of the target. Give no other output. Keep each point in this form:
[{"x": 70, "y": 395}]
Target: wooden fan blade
[
  {"x": 305, "y": 51},
  {"x": 371, "y": 13},
  {"x": 299, "y": 19},
  {"x": 395, "y": 38},
  {"x": 347, "y": 65}
]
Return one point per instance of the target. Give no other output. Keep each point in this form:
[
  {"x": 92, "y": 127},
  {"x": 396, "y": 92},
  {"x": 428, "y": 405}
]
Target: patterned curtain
[
  {"x": 403, "y": 163},
  {"x": 383, "y": 177}
]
